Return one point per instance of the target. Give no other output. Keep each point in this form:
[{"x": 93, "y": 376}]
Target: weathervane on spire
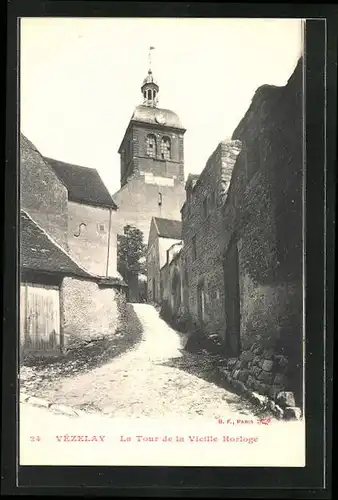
[
  {"x": 150, "y": 88},
  {"x": 149, "y": 56}
]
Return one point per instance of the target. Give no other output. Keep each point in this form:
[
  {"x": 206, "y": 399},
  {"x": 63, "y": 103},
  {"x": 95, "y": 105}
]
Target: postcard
[{"x": 161, "y": 242}]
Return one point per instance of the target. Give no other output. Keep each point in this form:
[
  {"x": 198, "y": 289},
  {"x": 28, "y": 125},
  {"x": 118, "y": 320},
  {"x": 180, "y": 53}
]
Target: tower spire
[{"x": 149, "y": 87}]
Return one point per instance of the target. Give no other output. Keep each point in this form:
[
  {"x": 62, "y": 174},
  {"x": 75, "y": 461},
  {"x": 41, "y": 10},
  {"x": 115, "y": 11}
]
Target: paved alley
[{"x": 139, "y": 383}]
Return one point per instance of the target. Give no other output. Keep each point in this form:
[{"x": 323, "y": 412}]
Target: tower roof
[{"x": 156, "y": 116}]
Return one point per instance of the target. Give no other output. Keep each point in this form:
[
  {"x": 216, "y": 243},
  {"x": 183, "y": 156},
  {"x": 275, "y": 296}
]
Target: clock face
[{"x": 160, "y": 119}]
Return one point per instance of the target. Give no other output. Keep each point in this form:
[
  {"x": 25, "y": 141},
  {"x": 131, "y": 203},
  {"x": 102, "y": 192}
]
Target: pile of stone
[{"x": 261, "y": 372}]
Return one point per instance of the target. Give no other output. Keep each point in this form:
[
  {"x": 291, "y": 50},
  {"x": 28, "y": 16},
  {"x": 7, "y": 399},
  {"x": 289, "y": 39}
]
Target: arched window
[
  {"x": 165, "y": 148},
  {"x": 149, "y": 95},
  {"x": 145, "y": 94},
  {"x": 151, "y": 145}
]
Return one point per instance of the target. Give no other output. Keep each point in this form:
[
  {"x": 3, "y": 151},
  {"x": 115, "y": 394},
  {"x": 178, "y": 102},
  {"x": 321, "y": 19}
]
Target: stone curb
[
  {"x": 263, "y": 402},
  {"x": 56, "y": 408}
]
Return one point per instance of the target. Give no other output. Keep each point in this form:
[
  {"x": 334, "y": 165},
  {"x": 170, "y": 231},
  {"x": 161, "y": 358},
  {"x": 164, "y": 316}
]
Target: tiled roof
[
  {"x": 39, "y": 252},
  {"x": 84, "y": 184},
  {"x": 168, "y": 228}
]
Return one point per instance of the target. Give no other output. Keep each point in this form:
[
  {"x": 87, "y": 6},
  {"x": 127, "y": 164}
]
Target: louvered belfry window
[
  {"x": 151, "y": 146},
  {"x": 165, "y": 148}
]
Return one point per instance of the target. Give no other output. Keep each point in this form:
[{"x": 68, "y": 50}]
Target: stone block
[
  {"x": 255, "y": 385},
  {"x": 256, "y": 360},
  {"x": 292, "y": 413},
  {"x": 232, "y": 362},
  {"x": 268, "y": 354},
  {"x": 267, "y": 365},
  {"x": 243, "y": 375},
  {"x": 250, "y": 381},
  {"x": 265, "y": 377},
  {"x": 247, "y": 356},
  {"x": 262, "y": 388},
  {"x": 256, "y": 371},
  {"x": 286, "y": 398},
  {"x": 241, "y": 387}
]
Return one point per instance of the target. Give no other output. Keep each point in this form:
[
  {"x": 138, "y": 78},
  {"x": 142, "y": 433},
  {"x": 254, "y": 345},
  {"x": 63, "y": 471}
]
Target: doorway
[
  {"x": 232, "y": 300},
  {"x": 201, "y": 303}
]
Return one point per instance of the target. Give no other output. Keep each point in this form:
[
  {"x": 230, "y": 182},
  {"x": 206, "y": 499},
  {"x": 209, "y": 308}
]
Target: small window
[
  {"x": 101, "y": 228},
  {"x": 165, "y": 148},
  {"x": 145, "y": 94},
  {"x": 149, "y": 95},
  {"x": 151, "y": 146},
  {"x": 194, "y": 249}
]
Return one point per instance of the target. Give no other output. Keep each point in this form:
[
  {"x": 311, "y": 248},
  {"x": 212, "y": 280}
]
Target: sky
[{"x": 80, "y": 80}]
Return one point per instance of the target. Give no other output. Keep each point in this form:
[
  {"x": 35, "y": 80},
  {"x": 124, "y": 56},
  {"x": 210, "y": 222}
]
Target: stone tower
[{"x": 151, "y": 163}]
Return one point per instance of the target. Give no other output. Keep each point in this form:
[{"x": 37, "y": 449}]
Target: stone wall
[
  {"x": 90, "y": 248},
  {"x": 42, "y": 194},
  {"x": 263, "y": 216},
  {"x": 138, "y": 202},
  {"x": 202, "y": 220},
  {"x": 87, "y": 310}
]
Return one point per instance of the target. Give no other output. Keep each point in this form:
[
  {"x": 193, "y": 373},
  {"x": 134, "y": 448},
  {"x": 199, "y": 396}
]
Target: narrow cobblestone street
[{"x": 139, "y": 383}]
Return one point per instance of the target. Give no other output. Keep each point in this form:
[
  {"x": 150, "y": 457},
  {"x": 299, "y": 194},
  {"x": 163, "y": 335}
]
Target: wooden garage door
[{"x": 40, "y": 317}]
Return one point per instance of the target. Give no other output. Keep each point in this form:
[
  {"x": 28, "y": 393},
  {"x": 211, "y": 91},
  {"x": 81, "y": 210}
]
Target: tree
[{"x": 131, "y": 252}]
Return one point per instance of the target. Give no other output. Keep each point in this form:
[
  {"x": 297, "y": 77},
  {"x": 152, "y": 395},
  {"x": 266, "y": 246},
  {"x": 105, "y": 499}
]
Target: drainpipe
[{"x": 108, "y": 250}]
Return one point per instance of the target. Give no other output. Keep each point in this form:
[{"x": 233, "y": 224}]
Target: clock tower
[
  {"x": 151, "y": 167},
  {"x": 152, "y": 147}
]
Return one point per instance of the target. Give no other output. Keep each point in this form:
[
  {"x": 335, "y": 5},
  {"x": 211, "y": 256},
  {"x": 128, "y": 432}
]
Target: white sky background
[{"x": 81, "y": 79}]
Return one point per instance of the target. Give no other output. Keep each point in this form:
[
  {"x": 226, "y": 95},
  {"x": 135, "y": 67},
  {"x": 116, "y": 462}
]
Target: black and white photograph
[{"x": 162, "y": 242}]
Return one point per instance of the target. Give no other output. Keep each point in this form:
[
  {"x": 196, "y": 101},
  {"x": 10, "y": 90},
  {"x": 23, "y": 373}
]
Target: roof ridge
[
  {"x": 156, "y": 226},
  {"x": 48, "y": 158},
  {"x": 166, "y": 218}
]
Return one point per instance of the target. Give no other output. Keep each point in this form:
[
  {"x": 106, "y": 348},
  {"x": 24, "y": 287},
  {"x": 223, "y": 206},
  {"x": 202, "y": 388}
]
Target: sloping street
[{"x": 140, "y": 382}]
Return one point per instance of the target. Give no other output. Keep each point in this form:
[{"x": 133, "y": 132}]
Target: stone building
[
  {"x": 152, "y": 163},
  {"x": 42, "y": 194},
  {"x": 92, "y": 215},
  {"x": 162, "y": 235},
  {"x": 202, "y": 226},
  {"x": 61, "y": 300},
  {"x": 263, "y": 233},
  {"x": 242, "y": 249}
]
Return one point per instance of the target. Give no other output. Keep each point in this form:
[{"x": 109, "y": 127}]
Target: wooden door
[
  {"x": 232, "y": 300},
  {"x": 40, "y": 317}
]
